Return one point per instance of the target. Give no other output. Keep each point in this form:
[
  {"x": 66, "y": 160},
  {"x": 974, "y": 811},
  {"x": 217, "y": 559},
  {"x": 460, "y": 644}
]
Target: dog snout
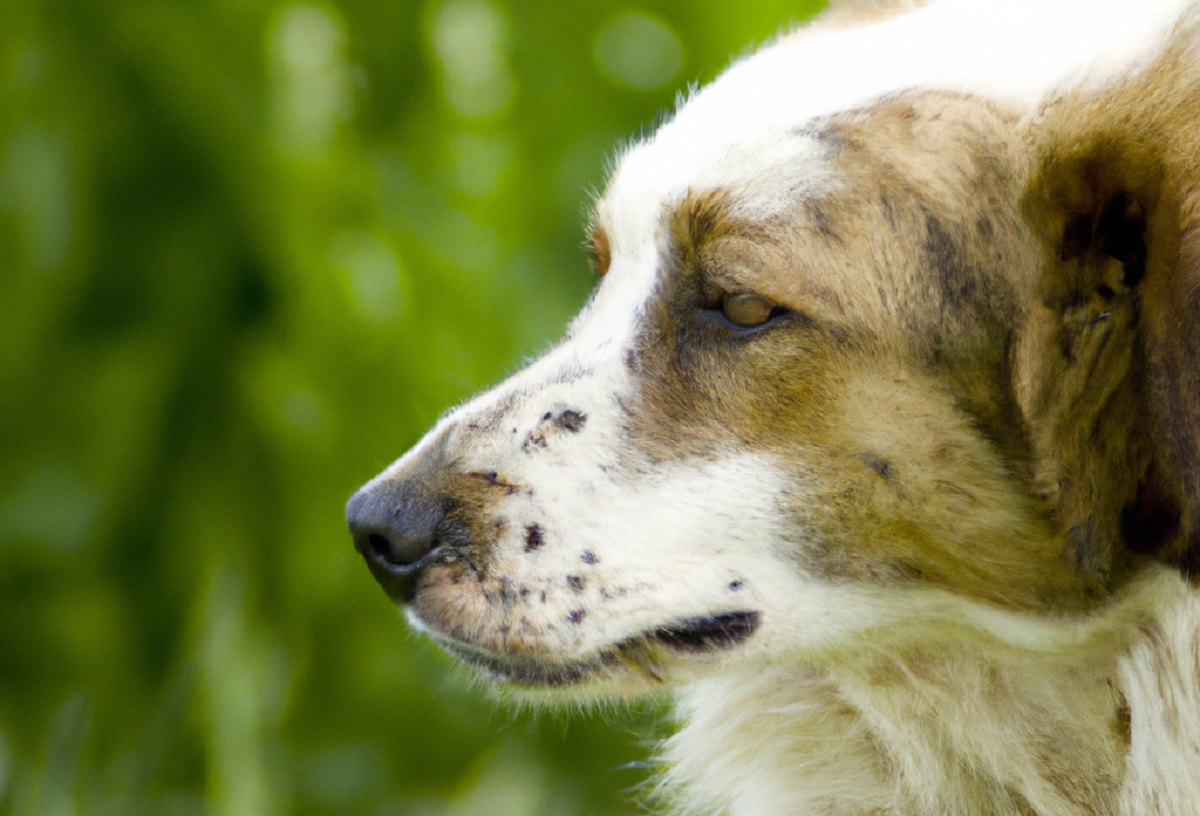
[{"x": 396, "y": 528}]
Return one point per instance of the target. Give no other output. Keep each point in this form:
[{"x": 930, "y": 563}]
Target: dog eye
[{"x": 748, "y": 309}]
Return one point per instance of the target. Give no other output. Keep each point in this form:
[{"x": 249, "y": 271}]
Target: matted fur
[{"x": 878, "y": 440}]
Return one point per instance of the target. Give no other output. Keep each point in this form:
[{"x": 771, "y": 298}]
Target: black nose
[{"x": 395, "y": 529}]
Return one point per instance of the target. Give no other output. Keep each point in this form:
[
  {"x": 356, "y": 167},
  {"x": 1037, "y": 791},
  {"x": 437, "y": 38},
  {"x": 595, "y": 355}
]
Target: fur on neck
[{"x": 1110, "y": 726}]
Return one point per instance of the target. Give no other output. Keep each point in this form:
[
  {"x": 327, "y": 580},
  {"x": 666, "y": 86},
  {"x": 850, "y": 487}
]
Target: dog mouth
[{"x": 643, "y": 653}]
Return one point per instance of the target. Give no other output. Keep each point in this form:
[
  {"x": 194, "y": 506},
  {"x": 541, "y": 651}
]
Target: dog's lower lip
[
  {"x": 707, "y": 633},
  {"x": 695, "y": 635}
]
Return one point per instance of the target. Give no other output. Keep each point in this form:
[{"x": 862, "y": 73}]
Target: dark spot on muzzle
[{"x": 533, "y": 537}]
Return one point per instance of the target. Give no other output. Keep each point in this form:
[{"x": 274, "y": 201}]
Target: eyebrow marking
[
  {"x": 599, "y": 250},
  {"x": 701, "y": 218}
]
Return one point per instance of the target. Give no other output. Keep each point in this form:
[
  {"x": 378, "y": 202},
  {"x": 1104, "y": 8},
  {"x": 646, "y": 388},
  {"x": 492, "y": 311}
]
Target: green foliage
[{"x": 248, "y": 251}]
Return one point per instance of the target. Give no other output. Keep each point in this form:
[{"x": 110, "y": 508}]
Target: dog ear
[
  {"x": 1116, "y": 195},
  {"x": 1170, "y": 336}
]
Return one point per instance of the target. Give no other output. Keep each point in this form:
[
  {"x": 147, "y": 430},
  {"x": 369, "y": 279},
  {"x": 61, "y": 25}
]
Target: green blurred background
[{"x": 249, "y": 250}]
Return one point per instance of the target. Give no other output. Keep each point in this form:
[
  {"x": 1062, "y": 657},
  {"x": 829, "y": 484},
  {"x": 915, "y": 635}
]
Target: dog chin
[{"x": 636, "y": 664}]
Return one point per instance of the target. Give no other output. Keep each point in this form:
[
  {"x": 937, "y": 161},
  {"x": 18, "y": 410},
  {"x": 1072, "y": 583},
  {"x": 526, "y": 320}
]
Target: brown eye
[{"x": 747, "y": 309}]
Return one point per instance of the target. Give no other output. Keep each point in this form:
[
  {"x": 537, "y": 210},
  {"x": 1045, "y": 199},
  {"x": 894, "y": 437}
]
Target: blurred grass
[{"x": 249, "y": 250}]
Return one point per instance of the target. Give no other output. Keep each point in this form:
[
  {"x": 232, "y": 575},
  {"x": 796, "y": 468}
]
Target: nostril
[
  {"x": 391, "y": 549},
  {"x": 380, "y": 546}
]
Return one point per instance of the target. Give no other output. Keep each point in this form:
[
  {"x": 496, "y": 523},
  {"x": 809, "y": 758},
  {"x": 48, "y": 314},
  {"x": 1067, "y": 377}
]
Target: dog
[{"x": 878, "y": 441}]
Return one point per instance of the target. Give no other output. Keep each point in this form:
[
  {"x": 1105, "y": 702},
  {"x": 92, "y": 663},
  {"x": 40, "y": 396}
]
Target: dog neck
[{"x": 1111, "y": 728}]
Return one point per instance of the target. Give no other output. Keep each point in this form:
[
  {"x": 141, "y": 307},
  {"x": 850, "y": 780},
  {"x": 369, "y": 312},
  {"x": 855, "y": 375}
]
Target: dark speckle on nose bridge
[{"x": 569, "y": 419}]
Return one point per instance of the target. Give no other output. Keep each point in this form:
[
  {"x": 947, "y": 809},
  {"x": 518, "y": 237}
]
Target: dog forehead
[{"x": 746, "y": 131}]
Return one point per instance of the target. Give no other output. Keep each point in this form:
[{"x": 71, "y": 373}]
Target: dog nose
[{"x": 394, "y": 528}]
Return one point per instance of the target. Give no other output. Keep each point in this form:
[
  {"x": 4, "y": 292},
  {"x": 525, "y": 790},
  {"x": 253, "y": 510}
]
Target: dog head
[{"x": 911, "y": 350}]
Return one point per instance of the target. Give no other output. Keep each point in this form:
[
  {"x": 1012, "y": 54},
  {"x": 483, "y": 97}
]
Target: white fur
[
  {"x": 871, "y": 735},
  {"x": 1161, "y": 676}
]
